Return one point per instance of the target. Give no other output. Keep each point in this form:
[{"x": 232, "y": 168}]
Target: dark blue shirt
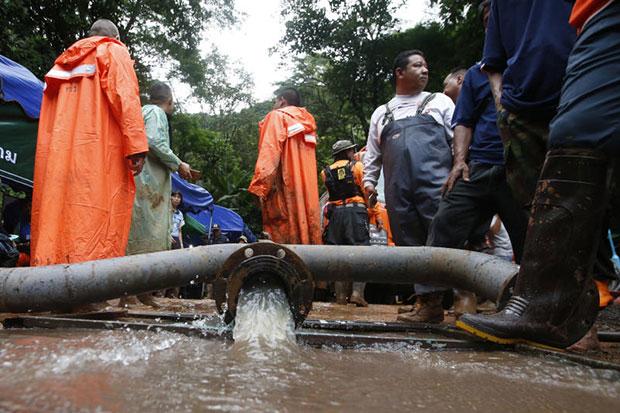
[
  {"x": 529, "y": 41},
  {"x": 475, "y": 109}
]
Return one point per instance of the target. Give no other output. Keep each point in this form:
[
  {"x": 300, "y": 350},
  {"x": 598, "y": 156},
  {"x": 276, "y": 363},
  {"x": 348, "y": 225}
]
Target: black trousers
[
  {"x": 347, "y": 226},
  {"x": 469, "y": 203}
]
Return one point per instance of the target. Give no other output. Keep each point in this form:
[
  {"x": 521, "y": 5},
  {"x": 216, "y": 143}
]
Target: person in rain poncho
[
  {"x": 91, "y": 140},
  {"x": 285, "y": 178},
  {"x": 152, "y": 216},
  {"x": 151, "y": 221}
]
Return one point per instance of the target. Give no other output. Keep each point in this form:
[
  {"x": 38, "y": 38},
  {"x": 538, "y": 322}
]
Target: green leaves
[
  {"x": 344, "y": 52},
  {"x": 224, "y": 148},
  {"x": 155, "y": 31}
]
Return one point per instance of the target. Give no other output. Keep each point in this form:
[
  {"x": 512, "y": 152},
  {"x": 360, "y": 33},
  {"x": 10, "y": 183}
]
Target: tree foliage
[
  {"x": 158, "y": 33},
  {"x": 344, "y": 53},
  {"x": 347, "y": 34},
  {"x": 224, "y": 149},
  {"x": 462, "y": 21}
]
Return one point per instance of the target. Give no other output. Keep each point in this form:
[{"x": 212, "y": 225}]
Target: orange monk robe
[
  {"x": 285, "y": 177},
  {"x": 91, "y": 120}
]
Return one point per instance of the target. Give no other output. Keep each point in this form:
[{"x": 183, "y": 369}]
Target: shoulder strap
[
  {"x": 388, "y": 116},
  {"x": 328, "y": 172},
  {"x": 424, "y": 103}
]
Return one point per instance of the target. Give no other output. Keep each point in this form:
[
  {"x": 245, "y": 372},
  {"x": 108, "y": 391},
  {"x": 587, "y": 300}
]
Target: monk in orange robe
[
  {"x": 91, "y": 140},
  {"x": 285, "y": 178}
]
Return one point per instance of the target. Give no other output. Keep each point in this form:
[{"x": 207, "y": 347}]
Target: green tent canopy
[
  {"x": 17, "y": 146},
  {"x": 193, "y": 226}
]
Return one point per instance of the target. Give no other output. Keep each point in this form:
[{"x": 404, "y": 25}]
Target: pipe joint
[{"x": 260, "y": 262}]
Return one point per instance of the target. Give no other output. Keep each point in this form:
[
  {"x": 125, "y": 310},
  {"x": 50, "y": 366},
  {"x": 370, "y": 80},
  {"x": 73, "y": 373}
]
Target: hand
[
  {"x": 135, "y": 163},
  {"x": 489, "y": 240},
  {"x": 379, "y": 224},
  {"x": 195, "y": 174},
  {"x": 185, "y": 171},
  {"x": 371, "y": 194},
  {"x": 459, "y": 170}
]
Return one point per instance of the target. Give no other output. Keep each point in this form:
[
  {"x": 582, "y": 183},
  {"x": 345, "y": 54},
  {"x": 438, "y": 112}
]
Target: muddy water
[
  {"x": 126, "y": 371},
  {"x": 264, "y": 370}
]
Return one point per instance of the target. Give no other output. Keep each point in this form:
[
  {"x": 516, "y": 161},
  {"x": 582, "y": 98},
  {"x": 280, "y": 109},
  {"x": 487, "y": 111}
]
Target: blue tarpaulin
[
  {"x": 195, "y": 197},
  {"x": 198, "y": 203},
  {"x": 228, "y": 220},
  {"x": 18, "y": 84}
]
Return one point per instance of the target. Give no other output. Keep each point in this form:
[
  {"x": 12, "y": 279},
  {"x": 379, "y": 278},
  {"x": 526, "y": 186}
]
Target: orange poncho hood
[
  {"x": 76, "y": 53},
  {"x": 77, "y": 60},
  {"x": 299, "y": 116}
]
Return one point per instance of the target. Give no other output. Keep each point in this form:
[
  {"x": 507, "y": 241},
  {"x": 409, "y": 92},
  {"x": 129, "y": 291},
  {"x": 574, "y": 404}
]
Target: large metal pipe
[
  {"x": 60, "y": 286},
  {"x": 488, "y": 276}
]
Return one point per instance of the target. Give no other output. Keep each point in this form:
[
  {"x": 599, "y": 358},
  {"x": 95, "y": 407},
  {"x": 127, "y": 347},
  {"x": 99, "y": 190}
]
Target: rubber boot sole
[{"x": 501, "y": 340}]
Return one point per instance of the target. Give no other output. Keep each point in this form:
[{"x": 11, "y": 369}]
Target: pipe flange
[{"x": 261, "y": 259}]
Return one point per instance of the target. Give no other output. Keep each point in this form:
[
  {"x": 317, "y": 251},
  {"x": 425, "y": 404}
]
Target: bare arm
[
  {"x": 461, "y": 142},
  {"x": 495, "y": 81}
]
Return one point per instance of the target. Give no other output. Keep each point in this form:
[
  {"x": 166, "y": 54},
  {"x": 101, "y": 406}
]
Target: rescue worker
[
  {"x": 91, "y": 141},
  {"x": 526, "y": 50},
  {"x": 285, "y": 179},
  {"x": 217, "y": 237},
  {"x": 555, "y": 300},
  {"x": 151, "y": 221},
  {"x": 410, "y": 138},
  {"x": 346, "y": 210}
]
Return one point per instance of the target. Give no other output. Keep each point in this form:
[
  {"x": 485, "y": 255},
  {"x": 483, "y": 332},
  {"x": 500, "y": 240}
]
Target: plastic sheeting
[
  {"x": 198, "y": 204},
  {"x": 285, "y": 178},
  {"x": 18, "y": 140},
  {"x": 91, "y": 120},
  {"x": 195, "y": 197},
  {"x": 20, "y": 104},
  {"x": 228, "y": 220},
  {"x": 18, "y": 84}
]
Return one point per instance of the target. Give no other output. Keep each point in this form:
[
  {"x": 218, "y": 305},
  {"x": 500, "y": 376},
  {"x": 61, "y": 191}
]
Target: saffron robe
[{"x": 91, "y": 120}]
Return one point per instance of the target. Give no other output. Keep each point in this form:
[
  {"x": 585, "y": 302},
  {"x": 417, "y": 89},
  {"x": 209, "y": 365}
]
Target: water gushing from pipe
[{"x": 264, "y": 318}]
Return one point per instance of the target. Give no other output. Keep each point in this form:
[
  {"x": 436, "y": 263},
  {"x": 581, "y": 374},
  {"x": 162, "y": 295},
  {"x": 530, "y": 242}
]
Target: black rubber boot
[{"x": 555, "y": 300}]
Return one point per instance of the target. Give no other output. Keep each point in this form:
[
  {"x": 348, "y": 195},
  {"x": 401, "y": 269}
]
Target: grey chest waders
[{"x": 417, "y": 159}]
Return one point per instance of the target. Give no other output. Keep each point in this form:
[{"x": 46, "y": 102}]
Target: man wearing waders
[
  {"x": 347, "y": 211},
  {"x": 410, "y": 138}
]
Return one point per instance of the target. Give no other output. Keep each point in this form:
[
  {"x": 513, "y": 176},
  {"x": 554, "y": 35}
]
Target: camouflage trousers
[{"x": 525, "y": 148}]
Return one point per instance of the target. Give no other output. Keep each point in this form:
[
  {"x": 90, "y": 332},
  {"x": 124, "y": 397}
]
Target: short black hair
[
  {"x": 342, "y": 155},
  {"x": 290, "y": 94},
  {"x": 459, "y": 70},
  {"x": 159, "y": 93},
  {"x": 402, "y": 59}
]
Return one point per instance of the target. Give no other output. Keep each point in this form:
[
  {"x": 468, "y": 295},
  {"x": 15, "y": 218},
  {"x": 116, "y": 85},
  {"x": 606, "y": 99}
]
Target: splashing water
[{"x": 264, "y": 317}]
